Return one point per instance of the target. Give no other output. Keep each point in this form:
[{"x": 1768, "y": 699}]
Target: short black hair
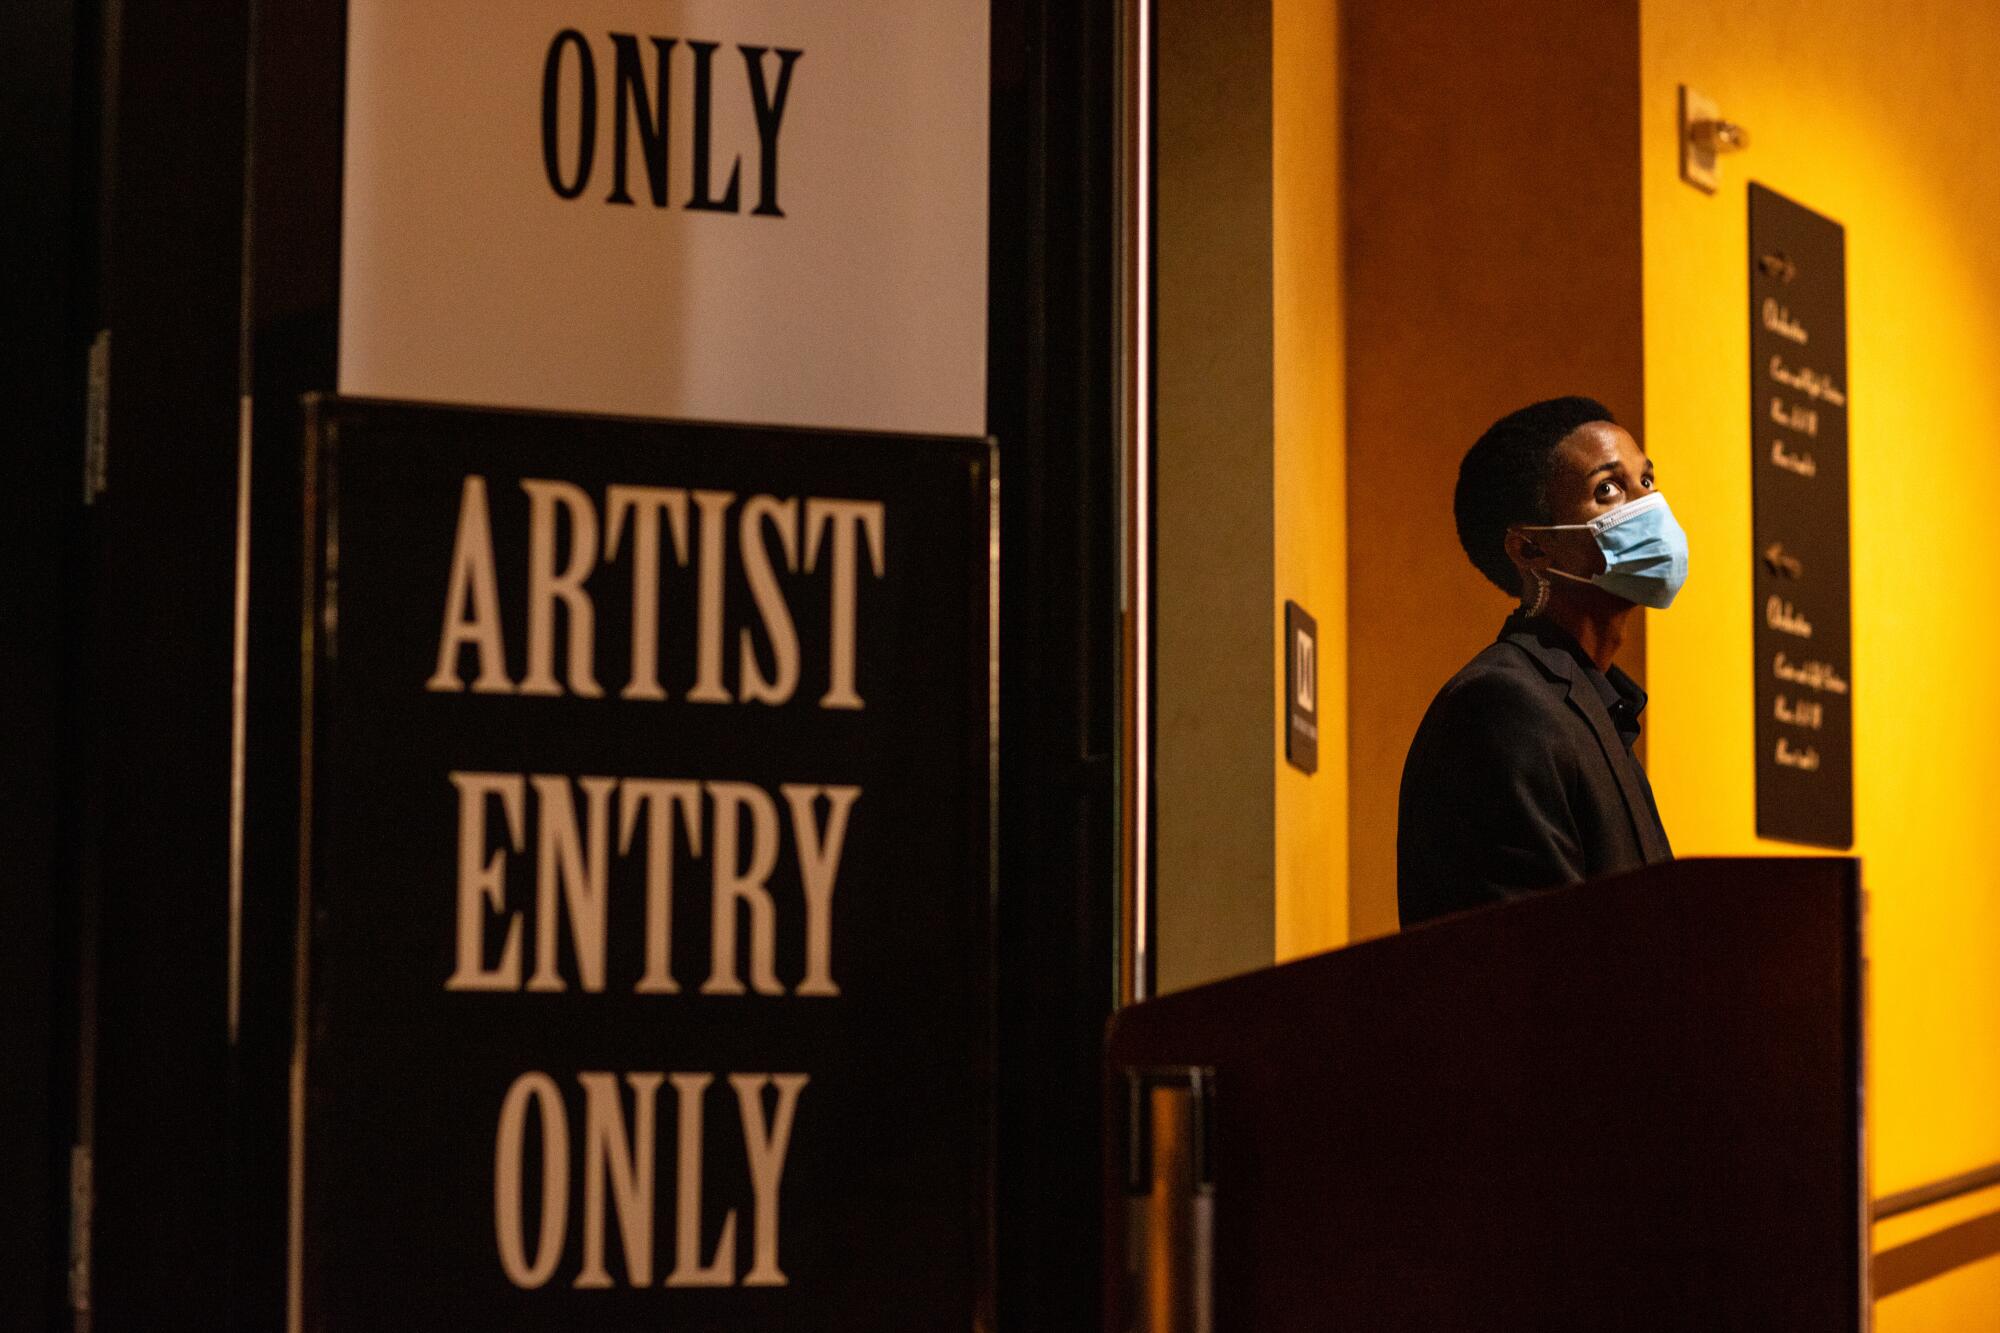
[{"x": 1505, "y": 477}]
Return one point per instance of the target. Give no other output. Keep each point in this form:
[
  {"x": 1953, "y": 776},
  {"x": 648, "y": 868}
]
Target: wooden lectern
[{"x": 1628, "y": 1105}]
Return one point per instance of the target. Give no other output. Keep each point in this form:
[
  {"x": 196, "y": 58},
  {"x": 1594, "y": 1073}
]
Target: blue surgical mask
[{"x": 1645, "y": 552}]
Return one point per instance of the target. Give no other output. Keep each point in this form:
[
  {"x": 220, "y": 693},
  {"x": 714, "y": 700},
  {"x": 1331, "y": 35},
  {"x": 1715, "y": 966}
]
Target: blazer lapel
[{"x": 1584, "y": 699}]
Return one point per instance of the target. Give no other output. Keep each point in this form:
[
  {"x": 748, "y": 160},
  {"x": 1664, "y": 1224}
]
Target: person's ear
[{"x": 1524, "y": 551}]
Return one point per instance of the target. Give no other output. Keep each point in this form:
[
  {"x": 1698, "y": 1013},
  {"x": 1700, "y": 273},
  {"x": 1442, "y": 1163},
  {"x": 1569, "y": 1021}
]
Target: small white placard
[{"x": 842, "y": 285}]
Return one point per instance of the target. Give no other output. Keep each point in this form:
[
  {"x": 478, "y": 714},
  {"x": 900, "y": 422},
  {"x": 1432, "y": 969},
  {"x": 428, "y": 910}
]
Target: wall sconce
[{"x": 1705, "y": 136}]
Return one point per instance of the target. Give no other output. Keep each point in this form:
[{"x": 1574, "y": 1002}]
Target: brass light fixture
[{"x": 1705, "y": 137}]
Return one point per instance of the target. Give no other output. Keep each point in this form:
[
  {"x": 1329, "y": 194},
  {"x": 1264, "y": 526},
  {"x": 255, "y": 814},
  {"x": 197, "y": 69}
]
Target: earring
[{"x": 1541, "y": 599}]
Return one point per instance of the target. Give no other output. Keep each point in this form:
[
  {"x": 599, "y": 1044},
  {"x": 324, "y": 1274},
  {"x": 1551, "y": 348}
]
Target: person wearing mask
[{"x": 1522, "y": 777}]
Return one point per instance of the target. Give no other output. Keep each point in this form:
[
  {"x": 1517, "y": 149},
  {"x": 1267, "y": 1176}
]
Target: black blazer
[{"x": 1518, "y": 780}]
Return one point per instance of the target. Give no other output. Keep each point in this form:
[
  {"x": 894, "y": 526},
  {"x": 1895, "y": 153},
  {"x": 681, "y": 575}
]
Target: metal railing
[
  {"x": 1941, "y": 1251},
  {"x": 1923, "y": 1196}
]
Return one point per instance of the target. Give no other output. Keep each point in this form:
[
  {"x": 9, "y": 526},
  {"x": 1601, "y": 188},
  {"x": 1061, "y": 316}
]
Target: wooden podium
[{"x": 1633, "y": 1104}]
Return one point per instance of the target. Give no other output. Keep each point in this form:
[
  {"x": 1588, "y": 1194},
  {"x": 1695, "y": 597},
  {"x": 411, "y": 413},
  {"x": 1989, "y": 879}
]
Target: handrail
[{"x": 1923, "y": 1196}]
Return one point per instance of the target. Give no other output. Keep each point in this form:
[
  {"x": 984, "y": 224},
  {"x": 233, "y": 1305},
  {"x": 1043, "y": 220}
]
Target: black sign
[
  {"x": 1301, "y": 688},
  {"x": 1798, "y": 434},
  {"x": 647, "y": 877}
]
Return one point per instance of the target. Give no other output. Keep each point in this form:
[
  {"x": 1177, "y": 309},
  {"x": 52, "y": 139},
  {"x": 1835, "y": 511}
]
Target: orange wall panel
[{"x": 1492, "y": 259}]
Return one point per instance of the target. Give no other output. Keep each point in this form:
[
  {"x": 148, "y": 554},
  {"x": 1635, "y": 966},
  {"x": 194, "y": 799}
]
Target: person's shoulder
[
  {"x": 1500, "y": 675},
  {"x": 1500, "y": 702},
  {"x": 1488, "y": 718}
]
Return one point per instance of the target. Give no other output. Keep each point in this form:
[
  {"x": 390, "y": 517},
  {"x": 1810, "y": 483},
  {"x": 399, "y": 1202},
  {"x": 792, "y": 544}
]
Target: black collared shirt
[{"x": 1622, "y": 697}]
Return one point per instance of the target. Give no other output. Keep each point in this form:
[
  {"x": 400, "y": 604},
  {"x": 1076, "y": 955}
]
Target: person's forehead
[{"x": 1598, "y": 442}]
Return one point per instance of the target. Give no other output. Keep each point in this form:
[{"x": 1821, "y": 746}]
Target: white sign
[{"x": 718, "y": 210}]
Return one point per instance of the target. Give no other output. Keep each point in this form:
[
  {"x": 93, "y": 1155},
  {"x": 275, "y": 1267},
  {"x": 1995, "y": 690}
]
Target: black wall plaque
[
  {"x": 1798, "y": 434},
  {"x": 1301, "y": 688},
  {"x": 671, "y": 910}
]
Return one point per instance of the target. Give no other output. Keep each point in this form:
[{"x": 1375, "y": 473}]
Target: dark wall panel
[
  {"x": 158, "y": 685},
  {"x": 1051, "y": 391},
  {"x": 44, "y": 123}
]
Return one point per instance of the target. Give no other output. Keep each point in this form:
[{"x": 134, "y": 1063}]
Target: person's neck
[{"x": 1597, "y": 627}]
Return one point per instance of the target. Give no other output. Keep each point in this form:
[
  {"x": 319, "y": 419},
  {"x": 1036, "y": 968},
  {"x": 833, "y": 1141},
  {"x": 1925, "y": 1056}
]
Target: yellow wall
[
  {"x": 1881, "y": 114},
  {"x": 1309, "y": 500}
]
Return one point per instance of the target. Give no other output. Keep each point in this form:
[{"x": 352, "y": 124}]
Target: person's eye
[
  {"x": 1647, "y": 482},
  {"x": 1607, "y": 490}
]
